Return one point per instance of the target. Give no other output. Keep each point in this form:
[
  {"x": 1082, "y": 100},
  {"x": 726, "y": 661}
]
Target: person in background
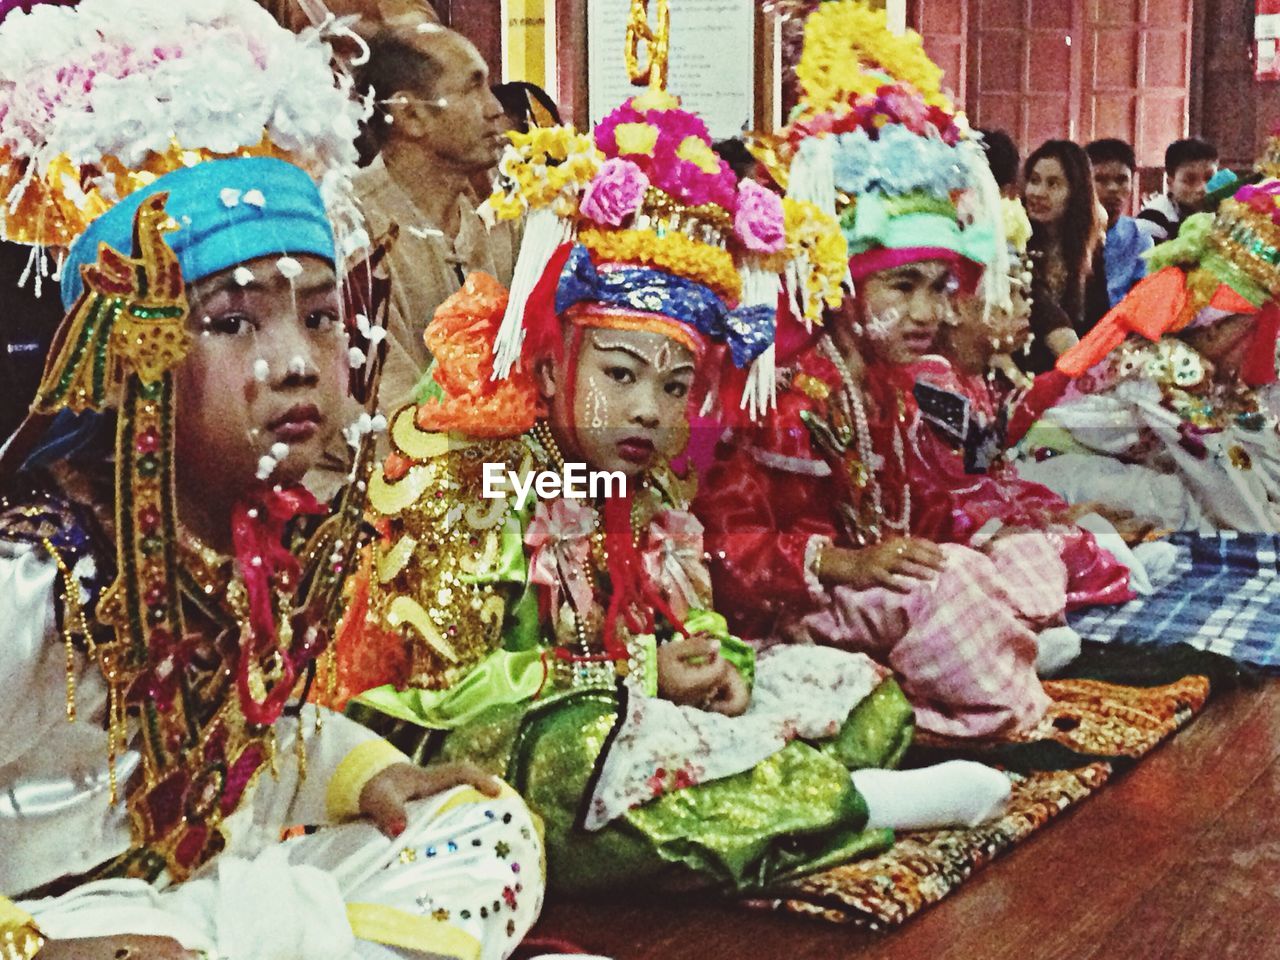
[
  {"x": 297, "y": 15},
  {"x": 436, "y": 127},
  {"x": 1114, "y": 170},
  {"x": 1069, "y": 281},
  {"x": 526, "y": 105},
  {"x": 1003, "y": 158},
  {"x": 1189, "y": 165}
]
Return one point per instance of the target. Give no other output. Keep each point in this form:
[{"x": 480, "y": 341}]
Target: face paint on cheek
[
  {"x": 596, "y": 401},
  {"x": 880, "y": 326}
]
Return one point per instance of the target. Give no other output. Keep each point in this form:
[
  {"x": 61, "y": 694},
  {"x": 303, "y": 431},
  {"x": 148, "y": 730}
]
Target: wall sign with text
[{"x": 712, "y": 60}]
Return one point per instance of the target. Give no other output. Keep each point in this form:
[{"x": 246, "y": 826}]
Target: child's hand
[
  {"x": 384, "y": 797},
  {"x": 733, "y": 696},
  {"x": 123, "y": 947},
  {"x": 900, "y": 565},
  {"x": 691, "y": 670}
]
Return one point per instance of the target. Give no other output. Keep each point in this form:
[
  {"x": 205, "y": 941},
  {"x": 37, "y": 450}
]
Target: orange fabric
[
  {"x": 365, "y": 655},
  {"x": 1151, "y": 309},
  {"x": 1165, "y": 303},
  {"x": 460, "y": 337},
  {"x": 1227, "y": 300}
]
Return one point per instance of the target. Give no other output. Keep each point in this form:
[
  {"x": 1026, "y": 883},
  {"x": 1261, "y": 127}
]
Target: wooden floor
[{"x": 1179, "y": 858}]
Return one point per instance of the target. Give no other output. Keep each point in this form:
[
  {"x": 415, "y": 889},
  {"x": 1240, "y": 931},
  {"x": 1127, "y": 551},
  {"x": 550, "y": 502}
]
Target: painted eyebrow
[
  {"x": 631, "y": 352},
  {"x": 621, "y": 348}
]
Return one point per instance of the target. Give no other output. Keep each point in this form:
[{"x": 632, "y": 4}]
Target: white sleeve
[
  {"x": 34, "y": 660},
  {"x": 340, "y": 758},
  {"x": 56, "y": 817}
]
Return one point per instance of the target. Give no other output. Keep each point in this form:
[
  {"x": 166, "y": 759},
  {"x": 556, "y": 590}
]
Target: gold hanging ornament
[
  {"x": 656, "y": 41},
  {"x": 20, "y": 938}
]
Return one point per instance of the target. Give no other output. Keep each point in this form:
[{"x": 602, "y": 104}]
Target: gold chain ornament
[{"x": 656, "y": 41}]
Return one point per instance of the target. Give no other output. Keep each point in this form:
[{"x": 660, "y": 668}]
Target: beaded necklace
[{"x": 852, "y": 398}]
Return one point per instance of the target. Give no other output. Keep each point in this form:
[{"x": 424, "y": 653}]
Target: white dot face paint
[
  {"x": 597, "y": 402},
  {"x": 298, "y": 367},
  {"x": 243, "y": 276},
  {"x": 279, "y": 451},
  {"x": 266, "y": 466},
  {"x": 261, "y": 370},
  {"x": 289, "y": 268},
  {"x": 356, "y": 357}
]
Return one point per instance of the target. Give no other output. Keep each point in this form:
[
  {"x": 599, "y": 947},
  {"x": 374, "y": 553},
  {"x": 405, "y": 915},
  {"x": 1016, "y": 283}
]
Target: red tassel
[
  {"x": 257, "y": 531},
  {"x": 1260, "y": 366},
  {"x": 543, "y": 332}
]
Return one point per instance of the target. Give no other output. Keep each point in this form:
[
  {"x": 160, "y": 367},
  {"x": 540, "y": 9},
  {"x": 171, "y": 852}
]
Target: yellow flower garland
[
  {"x": 845, "y": 41},
  {"x": 674, "y": 253},
  {"x": 542, "y": 168},
  {"x": 817, "y": 247}
]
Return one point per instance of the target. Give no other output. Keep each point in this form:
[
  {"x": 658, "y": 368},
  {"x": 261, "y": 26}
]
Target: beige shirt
[
  {"x": 290, "y": 14},
  {"x": 426, "y": 269}
]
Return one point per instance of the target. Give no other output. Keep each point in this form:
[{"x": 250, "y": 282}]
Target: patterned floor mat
[
  {"x": 1088, "y": 717},
  {"x": 1102, "y": 719}
]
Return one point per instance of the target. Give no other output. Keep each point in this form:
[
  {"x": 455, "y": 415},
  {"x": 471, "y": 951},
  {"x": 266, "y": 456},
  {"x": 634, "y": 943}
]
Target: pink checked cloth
[{"x": 963, "y": 645}]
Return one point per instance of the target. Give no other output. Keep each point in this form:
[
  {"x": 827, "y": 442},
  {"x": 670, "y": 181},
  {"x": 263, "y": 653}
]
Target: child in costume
[
  {"x": 571, "y": 642},
  {"x": 165, "y": 589},
  {"x": 815, "y": 528},
  {"x": 960, "y": 468},
  {"x": 1169, "y": 411}
]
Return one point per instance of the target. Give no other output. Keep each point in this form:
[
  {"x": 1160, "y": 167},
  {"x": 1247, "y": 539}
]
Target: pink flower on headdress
[
  {"x": 902, "y": 105},
  {"x": 760, "y": 222},
  {"x": 616, "y": 193},
  {"x": 1263, "y": 197},
  {"x": 666, "y": 169}
]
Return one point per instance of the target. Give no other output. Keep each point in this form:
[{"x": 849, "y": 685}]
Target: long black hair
[{"x": 1081, "y": 228}]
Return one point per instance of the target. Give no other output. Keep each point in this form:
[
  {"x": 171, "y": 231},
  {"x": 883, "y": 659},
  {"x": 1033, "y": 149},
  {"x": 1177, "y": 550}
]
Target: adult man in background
[
  {"x": 371, "y": 14},
  {"x": 436, "y": 128},
  {"x": 1114, "y": 168}
]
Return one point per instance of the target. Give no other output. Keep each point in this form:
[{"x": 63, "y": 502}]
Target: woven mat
[
  {"x": 1087, "y": 716},
  {"x": 1103, "y": 719}
]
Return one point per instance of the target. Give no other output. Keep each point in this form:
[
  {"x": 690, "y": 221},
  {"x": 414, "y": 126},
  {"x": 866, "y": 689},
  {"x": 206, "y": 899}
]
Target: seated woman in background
[
  {"x": 1172, "y": 411},
  {"x": 1069, "y": 287}
]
